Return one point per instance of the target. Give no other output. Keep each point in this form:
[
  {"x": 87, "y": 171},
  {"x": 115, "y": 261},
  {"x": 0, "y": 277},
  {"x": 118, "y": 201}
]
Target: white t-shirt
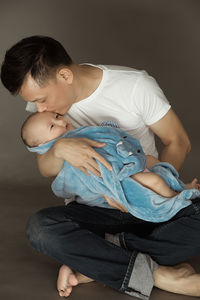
[{"x": 127, "y": 96}]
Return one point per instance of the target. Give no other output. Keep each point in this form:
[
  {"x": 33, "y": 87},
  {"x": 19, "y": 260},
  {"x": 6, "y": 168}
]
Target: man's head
[
  {"x": 40, "y": 128},
  {"x": 39, "y": 69}
]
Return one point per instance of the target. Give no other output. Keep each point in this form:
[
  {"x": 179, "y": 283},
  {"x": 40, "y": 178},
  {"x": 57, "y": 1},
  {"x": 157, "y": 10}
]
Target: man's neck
[{"x": 86, "y": 80}]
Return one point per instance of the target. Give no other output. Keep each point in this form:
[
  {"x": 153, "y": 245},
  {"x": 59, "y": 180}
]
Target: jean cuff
[
  {"x": 113, "y": 238},
  {"x": 139, "y": 280}
]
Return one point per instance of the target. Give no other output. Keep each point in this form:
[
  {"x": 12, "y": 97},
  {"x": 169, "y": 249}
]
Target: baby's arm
[{"x": 50, "y": 162}]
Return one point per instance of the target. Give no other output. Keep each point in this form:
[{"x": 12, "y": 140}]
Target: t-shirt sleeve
[
  {"x": 149, "y": 99},
  {"x": 31, "y": 107}
]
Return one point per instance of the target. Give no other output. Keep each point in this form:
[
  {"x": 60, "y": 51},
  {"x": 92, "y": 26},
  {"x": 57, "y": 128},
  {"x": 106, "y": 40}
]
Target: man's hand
[
  {"x": 115, "y": 204},
  {"x": 79, "y": 153}
]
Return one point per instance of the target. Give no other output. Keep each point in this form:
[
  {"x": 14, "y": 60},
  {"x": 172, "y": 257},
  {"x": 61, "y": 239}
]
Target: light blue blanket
[{"x": 126, "y": 156}]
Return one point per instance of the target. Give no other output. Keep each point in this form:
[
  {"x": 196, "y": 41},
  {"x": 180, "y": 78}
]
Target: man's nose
[{"x": 40, "y": 107}]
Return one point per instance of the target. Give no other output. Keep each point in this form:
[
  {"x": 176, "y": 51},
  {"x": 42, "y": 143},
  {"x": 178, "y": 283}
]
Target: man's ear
[{"x": 66, "y": 74}]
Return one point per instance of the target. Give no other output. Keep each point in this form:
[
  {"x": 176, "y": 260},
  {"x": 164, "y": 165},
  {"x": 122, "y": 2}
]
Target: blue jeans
[{"x": 75, "y": 236}]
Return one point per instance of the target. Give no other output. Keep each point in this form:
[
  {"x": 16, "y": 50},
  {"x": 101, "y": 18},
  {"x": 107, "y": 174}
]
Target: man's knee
[
  {"x": 39, "y": 223},
  {"x": 45, "y": 226},
  {"x": 35, "y": 226}
]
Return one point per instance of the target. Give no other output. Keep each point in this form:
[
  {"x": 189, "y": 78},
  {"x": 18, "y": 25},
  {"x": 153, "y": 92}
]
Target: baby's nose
[{"x": 61, "y": 122}]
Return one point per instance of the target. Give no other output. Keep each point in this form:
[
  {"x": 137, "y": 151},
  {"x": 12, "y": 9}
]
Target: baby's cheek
[{"x": 64, "y": 130}]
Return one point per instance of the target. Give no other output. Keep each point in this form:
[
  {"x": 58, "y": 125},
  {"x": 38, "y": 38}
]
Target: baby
[{"x": 40, "y": 128}]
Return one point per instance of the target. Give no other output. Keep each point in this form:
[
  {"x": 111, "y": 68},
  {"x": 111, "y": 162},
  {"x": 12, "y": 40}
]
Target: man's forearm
[
  {"x": 49, "y": 165},
  {"x": 175, "y": 154}
]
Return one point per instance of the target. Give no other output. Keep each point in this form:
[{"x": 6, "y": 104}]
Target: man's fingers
[
  {"x": 84, "y": 170},
  {"x": 93, "y": 170},
  {"x": 96, "y": 144},
  {"x": 101, "y": 159},
  {"x": 110, "y": 202},
  {"x": 115, "y": 204},
  {"x": 92, "y": 153},
  {"x": 97, "y": 155},
  {"x": 86, "y": 157}
]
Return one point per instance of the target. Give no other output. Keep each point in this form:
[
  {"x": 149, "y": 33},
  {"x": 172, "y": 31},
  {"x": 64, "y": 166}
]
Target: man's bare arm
[
  {"x": 78, "y": 152},
  {"x": 174, "y": 137}
]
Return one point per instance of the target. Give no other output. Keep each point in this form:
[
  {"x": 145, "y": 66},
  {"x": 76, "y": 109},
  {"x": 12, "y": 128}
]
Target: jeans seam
[{"x": 128, "y": 272}]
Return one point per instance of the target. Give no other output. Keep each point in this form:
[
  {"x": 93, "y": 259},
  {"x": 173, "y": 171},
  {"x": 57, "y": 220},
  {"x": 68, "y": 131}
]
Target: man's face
[{"x": 56, "y": 95}]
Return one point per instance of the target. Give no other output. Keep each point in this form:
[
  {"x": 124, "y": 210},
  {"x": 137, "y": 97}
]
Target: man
[{"x": 107, "y": 245}]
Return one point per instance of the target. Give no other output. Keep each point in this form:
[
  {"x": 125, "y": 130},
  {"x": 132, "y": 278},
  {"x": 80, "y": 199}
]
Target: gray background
[{"x": 160, "y": 36}]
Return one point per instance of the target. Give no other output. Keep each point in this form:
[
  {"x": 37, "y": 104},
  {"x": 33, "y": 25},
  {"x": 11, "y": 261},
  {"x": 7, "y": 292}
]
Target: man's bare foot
[
  {"x": 67, "y": 279},
  {"x": 193, "y": 185},
  {"x": 82, "y": 278},
  {"x": 180, "y": 279}
]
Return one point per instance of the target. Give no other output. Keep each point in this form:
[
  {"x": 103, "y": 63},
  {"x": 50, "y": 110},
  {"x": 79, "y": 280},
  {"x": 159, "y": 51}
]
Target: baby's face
[{"x": 49, "y": 125}]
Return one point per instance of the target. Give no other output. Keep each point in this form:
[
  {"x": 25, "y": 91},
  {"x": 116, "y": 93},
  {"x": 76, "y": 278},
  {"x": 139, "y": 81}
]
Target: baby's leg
[
  {"x": 151, "y": 160},
  {"x": 154, "y": 182}
]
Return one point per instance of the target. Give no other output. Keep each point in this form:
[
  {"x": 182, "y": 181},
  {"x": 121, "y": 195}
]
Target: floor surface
[{"x": 27, "y": 274}]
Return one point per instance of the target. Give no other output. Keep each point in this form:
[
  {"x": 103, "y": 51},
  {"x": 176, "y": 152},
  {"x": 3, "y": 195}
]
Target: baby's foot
[
  {"x": 66, "y": 280},
  {"x": 193, "y": 185}
]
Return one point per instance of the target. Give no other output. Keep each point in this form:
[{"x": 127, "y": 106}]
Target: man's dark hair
[{"x": 39, "y": 55}]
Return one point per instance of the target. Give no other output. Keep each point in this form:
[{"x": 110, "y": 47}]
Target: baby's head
[{"x": 40, "y": 128}]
